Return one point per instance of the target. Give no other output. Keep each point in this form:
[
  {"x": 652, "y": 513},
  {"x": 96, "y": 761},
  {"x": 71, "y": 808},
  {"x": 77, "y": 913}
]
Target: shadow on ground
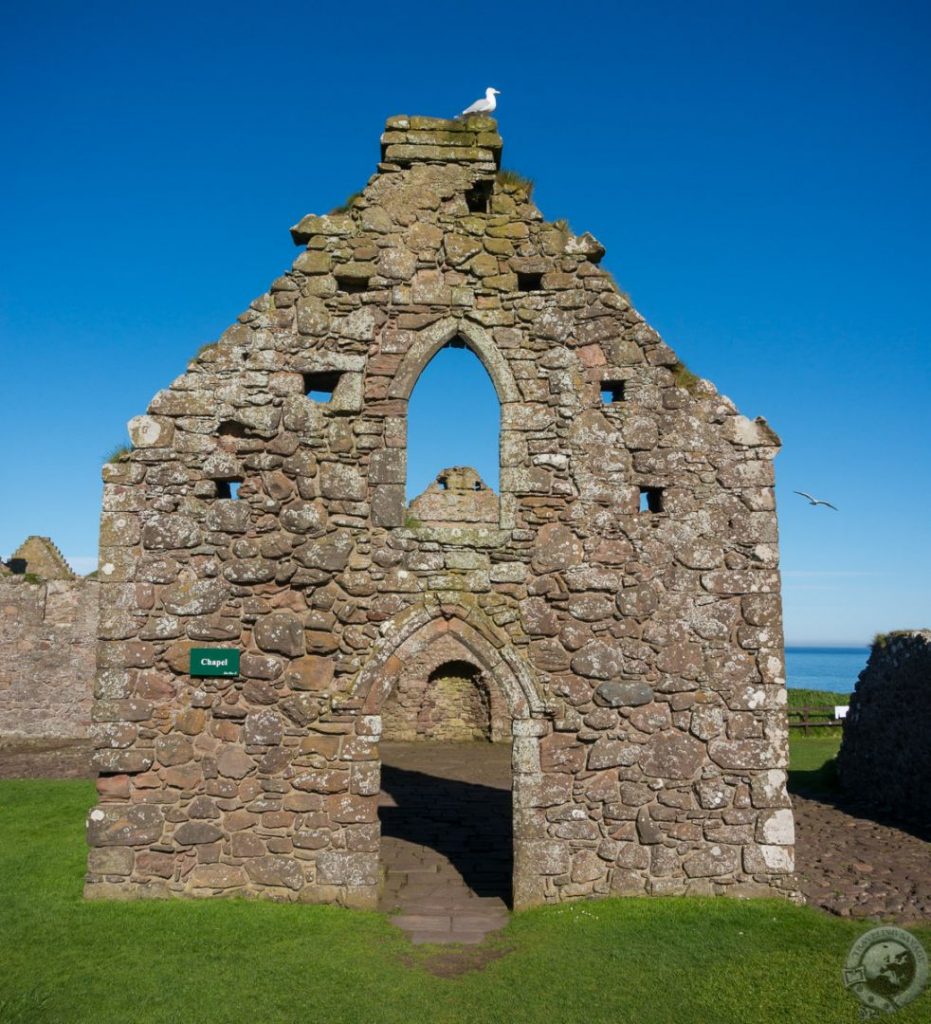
[{"x": 468, "y": 824}]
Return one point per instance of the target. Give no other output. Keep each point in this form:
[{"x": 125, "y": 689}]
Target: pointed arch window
[{"x": 454, "y": 419}]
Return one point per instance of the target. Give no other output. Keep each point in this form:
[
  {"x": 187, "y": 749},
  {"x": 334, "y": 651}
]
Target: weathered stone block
[
  {"x": 263, "y": 728},
  {"x": 196, "y": 833},
  {"x": 336, "y": 867},
  {"x": 124, "y": 825},
  {"x": 329, "y": 553},
  {"x": 166, "y": 532},
  {"x": 234, "y": 763},
  {"x": 110, "y": 860},
  {"x": 672, "y": 755},
  {"x": 280, "y": 633},
  {"x": 623, "y": 694},
  {"x": 276, "y": 871},
  {"x": 129, "y": 761},
  {"x": 218, "y": 876},
  {"x": 776, "y": 827},
  {"x": 598, "y": 660},
  {"x": 716, "y": 860}
]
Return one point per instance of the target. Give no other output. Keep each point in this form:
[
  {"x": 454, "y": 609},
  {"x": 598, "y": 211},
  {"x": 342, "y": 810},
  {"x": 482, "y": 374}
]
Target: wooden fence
[{"x": 825, "y": 716}]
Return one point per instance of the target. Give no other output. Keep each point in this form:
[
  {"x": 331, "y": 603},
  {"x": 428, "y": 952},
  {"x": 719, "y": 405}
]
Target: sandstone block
[
  {"x": 218, "y": 876},
  {"x": 336, "y": 867},
  {"x": 714, "y": 861},
  {"x": 672, "y": 755},
  {"x": 263, "y": 728},
  {"x": 776, "y": 828},
  {"x": 280, "y": 633},
  {"x": 126, "y": 760},
  {"x": 330, "y": 552},
  {"x": 234, "y": 763},
  {"x": 276, "y": 871},
  {"x": 110, "y": 860},
  {"x": 195, "y": 597},
  {"x": 167, "y": 532},
  {"x": 310, "y": 673},
  {"x": 623, "y": 694},
  {"x": 598, "y": 660},
  {"x": 196, "y": 833},
  {"x": 606, "y": 753},
  {"x": 124, "y": 825}
]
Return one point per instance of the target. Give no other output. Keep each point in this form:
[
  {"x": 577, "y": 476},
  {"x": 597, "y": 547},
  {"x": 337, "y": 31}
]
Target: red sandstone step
[
  {"x": 445, "y": 938},
  {"x": 488, "y": 921},
  {"x": 423, "y": 922}
]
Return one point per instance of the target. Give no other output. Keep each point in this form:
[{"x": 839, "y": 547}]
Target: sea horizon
[
  {"x": 828, "y": 647},
  {"x": 825, "y": 666}
]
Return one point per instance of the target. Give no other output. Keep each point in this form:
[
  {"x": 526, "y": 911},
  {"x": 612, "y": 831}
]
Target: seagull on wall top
[
  {"x": 816, "y": 501},
  {"x": 485, "y": 106}
]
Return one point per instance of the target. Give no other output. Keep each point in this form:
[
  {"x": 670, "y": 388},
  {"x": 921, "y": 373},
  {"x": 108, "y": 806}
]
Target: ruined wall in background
[
  {"x": 885, "y": 755},
  {"x": 48, "y": 639}
]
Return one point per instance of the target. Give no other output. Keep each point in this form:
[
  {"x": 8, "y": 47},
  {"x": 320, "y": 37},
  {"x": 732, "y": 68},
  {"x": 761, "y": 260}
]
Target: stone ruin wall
[
  {"x": 639, "y": 653},
  {"x": 48, "y": 646},
  {"x": 885, "y": 755}
]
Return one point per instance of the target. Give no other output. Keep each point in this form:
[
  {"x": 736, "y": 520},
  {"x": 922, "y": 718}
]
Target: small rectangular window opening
[
  {"x": 228, "y": 489},
  {"x": 478, "y": 197},
  {"x": 231, "y": 428},
  {"x": 651, "y": 499},
  {"x": 612, "y": 391},
  {"x": 529, "y": 282},
  {"x": 320, "y": 385},
  {"x": 352, "y": 285}
]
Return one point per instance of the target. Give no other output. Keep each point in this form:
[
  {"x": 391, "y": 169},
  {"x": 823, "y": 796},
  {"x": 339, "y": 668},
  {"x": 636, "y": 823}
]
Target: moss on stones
[
  {"x": 119, "y": 453},
  {"x": 684, "y": 377},
  {"x": 511, "y": 181}
]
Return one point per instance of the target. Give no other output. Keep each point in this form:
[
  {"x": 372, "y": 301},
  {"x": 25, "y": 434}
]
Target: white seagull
[
  {"x": 816, "y": 501},
  {"x": 485, "y": 106}
]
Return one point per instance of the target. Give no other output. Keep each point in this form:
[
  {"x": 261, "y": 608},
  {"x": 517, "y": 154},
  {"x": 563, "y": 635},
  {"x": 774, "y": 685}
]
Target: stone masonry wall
[
  {"x": 885, "y": 754},
  {"x": 48, "y": 640},
  {"x": 639, "y": 652}
]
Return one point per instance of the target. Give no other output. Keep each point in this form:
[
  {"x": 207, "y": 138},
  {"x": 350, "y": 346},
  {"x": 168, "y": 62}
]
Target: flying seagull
[
  {"x": 816, "y": 501},
  {"x": 485, "y": 106}
]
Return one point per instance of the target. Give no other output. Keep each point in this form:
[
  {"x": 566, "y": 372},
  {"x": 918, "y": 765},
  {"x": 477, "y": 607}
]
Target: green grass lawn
[
  {"x": 812, "y": 767},
  {"x": 806, "y": 698},
  {"x": 669, "y": 960}
]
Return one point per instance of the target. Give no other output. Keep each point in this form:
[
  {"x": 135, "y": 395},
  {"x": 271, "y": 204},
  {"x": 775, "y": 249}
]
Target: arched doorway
[
  {"x": 443, "y": 695},
  {"x": 449, "y": 853}
]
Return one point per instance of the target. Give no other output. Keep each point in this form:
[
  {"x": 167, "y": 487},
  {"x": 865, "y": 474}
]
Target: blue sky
[{"x": 758, "y": 173}]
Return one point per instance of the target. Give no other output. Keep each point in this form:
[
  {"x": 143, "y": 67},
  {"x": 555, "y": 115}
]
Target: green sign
[{"x": 214, "y": 661}]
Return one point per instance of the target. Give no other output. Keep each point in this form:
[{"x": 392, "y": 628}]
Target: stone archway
[
  {"x": 444, "y": 695},
  {"x": 413, "y": 630},
  {"x": 430, "y": 637}
]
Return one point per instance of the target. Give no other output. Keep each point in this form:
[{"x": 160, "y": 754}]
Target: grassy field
[
  {"x": 675, "y": 960},
  {"x": 811, "y": 762},
  {"x": 802, "y": 698}
]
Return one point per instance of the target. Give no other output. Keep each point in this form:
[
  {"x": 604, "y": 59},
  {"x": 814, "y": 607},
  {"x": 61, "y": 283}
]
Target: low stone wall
[
  {"x": 47, "y": 657},
  {"x": 885, "y": 756}
]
